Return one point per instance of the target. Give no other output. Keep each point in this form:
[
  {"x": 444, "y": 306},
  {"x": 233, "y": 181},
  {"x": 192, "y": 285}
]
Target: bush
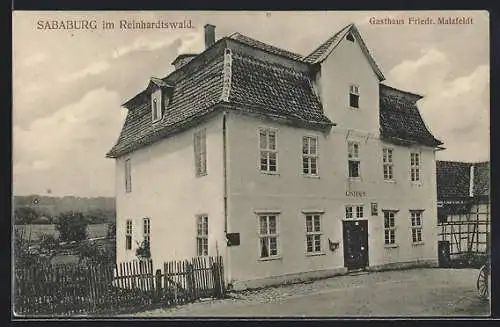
[
  {"x": 111, "y": 232},
  {"x": 96, "y": 253},
  {"x": 143, "y": 252},
  {"x": 72, "y": 226},
  {"x": 48, "y": 242}
]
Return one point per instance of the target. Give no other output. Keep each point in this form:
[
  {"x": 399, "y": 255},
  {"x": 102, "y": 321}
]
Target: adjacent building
[
  {"x": 287, "y": 166},
  {"x": 464, "y": 221}
]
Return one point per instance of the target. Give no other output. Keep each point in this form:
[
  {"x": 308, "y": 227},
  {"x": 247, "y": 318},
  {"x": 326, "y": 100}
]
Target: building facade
[
  {"x": 464, "y": 210},
  {"x": 287, "y": 166}
]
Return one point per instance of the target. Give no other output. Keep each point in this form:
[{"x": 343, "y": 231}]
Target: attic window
[
  {"x": 156, "y": 107},
  {"x": 350, "y": 37},
  {"x": 354, "y": 96}
]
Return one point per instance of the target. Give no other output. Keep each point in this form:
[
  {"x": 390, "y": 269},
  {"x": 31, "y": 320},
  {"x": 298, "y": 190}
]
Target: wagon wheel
[{"x": 482, "y": 282}]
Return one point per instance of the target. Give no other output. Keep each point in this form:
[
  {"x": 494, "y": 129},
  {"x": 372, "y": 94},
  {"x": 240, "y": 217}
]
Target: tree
[
  {"x": 72, "y": 226},
  {"x": 25, "y": 215},
  {"x": 143, "y": 251}
]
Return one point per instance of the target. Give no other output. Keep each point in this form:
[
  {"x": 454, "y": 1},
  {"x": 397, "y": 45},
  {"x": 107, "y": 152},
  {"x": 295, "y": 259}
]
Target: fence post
[
  {"x": 158, "y": 285},
  {"x": 190, "y": 281}
]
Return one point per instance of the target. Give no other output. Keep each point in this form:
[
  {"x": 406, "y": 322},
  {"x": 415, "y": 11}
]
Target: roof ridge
[
  {"x": 237, "y": 36},
  {"x": 274, "y": 66},
  {"x": 330, "y": 39}
]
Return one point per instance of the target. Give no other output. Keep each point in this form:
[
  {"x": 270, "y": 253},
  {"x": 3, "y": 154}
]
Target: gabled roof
[
  {"x": 454, "y": 179},
  {"x": 400, "y": 119},
  {"x": 256, "y": 87},
  {"x": 264, "y": 46},
  {"x": 326, "y": 48}
]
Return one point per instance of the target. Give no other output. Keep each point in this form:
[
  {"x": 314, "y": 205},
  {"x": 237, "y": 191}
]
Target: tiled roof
[
  {"x": 256, "y": 86},
  {"x": 482, "y": 178},
  {"x": 320, "y": 51},
  {"x": 453, "y": 179},
  {"x": 275, "y": 90},
  {"x": 264, "y": 46},
  {"x": 400, "y": 118},
  {"x": 185, "y": 104}
]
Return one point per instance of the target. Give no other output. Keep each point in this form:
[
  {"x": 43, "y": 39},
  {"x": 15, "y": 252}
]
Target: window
[
  {"x": 200, "y": 153},
  {"x": 128, "y": 235},
  {"x": 128, "y": 177},
  {"x": 416, "y": 225},
  {"x": 389, "y": 227},
  {"x": 354, "y": 96},
  {"x": 356, "y": 211},
  {"x": 374, "y": 209},
  {"x": 156, "y": 108},
  {"x": 313, "y": 233},
  {"x": 268, "y": 150},
  {"x": 146, "y": 230},
  {"x": 353, "y": 155},
  {"x": 310, "y": 155},
  {"x": 268, "y": 236},
  {"x": 415, "y": 166},
  {"x": 349, "y": 37},
  {"x": 202, "y": 235},
  {"x": 388, "y": 164}
]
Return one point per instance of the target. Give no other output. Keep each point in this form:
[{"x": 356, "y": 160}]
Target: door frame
[{"x": 367, "y": 260}]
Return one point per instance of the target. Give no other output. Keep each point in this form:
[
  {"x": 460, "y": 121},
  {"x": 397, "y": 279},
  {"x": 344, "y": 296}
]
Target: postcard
[{"x": 251, "y": 164}]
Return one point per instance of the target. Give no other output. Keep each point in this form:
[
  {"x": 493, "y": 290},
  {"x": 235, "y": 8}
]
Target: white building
[{"x": 308, "y": 164}]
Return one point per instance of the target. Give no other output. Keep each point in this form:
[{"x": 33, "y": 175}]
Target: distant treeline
[{"x": 35, "y": 209}]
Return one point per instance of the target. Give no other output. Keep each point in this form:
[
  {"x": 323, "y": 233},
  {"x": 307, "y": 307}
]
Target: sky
[{"x": 69, "y": 84}]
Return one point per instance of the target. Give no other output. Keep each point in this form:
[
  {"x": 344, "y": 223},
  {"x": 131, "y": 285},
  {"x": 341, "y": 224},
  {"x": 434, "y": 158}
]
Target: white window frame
[
  {"x": 354, "y": 211},
  {"x": 310, "y": 155},
  {"x": 416, "y": 217},
  {"x": 128, "y": 175},
  {"x": 314, "y": 233},
  {"x": 266, "y": 235},
  {"x": 415, "y": 167},
  {"x": 354, "y": 90},
  {"x": 266, "y": 152},
  {"x": 128, "y": 234},
  {"x": 200, "y": 152},
  {"x": 388, "y": 163},
  {"x": 353, "y": 149},
  {"x": 202, "y": 235},
  {"x": 390, "y": 227},
  {"x": 146, "y": 230}
]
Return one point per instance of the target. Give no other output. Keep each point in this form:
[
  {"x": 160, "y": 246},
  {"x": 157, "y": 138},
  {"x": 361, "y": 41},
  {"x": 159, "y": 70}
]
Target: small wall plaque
[
  {"x": 374, "y": 209},
  {"x": 233, "y": 239}
]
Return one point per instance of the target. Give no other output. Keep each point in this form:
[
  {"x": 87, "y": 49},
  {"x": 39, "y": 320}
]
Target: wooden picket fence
[{"x": 107, "y": 288}]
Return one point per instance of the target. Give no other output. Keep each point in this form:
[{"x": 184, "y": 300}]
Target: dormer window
[
  {"x": 156, "y": 111},
  {"x": 350, "y": 37},
  {"x": 354, "y": 96}
]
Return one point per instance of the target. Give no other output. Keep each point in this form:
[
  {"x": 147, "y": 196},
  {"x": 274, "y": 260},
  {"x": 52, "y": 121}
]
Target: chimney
[
  {"x": 471, "y": 181},
  {"x": 209, "y": 35}
]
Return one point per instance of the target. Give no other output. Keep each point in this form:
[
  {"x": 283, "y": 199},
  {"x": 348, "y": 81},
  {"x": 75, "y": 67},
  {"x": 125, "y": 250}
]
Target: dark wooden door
[{"x": 355, "y": 244}]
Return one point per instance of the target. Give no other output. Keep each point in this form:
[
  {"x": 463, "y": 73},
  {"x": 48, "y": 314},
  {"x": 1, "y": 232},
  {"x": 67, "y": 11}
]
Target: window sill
[
  {"x": 353, "y": 108},
  {"x": 390, "y": 181},
  {"x": 354, "y": 179},
  {"x": 418, "y": 184},
  {"x": 201, "y": 175},
  {"x": 418, "y": 243},
  {"x": 391, "y": 246},
  {"x": 314, "y": 254},
  {"x": 272, "y": 173},
  {"x": 270, "y": 258},
  {"x": 310, "y": 176}
]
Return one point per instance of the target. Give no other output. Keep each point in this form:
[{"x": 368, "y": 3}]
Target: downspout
[
  {"x": 226, "y": 89},
  {"x": 471, "y": 181},
  {"x": 225, "y": 181}
]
